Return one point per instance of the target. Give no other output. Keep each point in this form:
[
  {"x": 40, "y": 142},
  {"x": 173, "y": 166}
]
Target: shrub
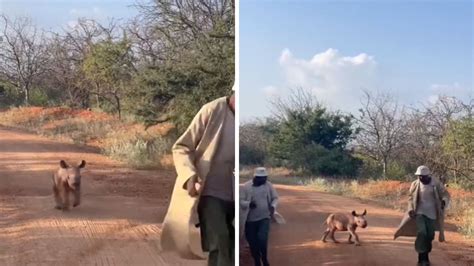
[
  {"x": 137, "y": 150},
  {"x": 467, "y": 226},
  {"x": 124, "y": 141}
]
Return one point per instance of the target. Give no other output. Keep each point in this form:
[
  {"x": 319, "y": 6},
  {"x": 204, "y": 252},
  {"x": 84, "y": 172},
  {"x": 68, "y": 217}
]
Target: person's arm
[
  {"x": 244, "y": 202},
  {"x": 184, "y": 151},
  {"x": 273, "y": 198},
  {"x": 411, "y": 196}
]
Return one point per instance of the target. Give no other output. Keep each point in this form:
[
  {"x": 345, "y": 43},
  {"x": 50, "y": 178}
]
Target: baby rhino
[
  {"x": 67, "y": 179},
  {"x": 345, "y": 222}
]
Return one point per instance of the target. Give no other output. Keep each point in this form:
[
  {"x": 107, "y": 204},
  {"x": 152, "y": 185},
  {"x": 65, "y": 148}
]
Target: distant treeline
[
  {"x": 385, "y": 140},
  {"x": 160, "y": 66}
]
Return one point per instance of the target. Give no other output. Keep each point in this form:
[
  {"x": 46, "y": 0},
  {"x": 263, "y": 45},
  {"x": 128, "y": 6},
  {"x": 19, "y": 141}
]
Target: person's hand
[
  {"x": 193, "y": 188},
  {"x": 253, "y": 205},
  {"x": 443, "y": 204},
  {"x": 412, "y": 214},
  {"x": 272, "y": 210}
]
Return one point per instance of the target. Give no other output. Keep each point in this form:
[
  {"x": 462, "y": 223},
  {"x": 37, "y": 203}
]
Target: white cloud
[
  {"x": 93, "y": 12},
  {"x": 432, "y": 99},
  {"x": 335, "y": 79},
  {"x": 270, "y": 91},
  {"x": 454, "y": 89},
  {"x": 85, "y": 12},
  {"x": 440, "y": 88},
  {"x": 72, "y": 23}
]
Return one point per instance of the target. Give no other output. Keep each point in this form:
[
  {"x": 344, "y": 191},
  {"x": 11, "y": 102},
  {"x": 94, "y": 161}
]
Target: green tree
[
  {"x": 311, "y": 139},
  {"x": 195, "y": 59},
  {"x": 254, "y": 138},
  {"x": 458, "y": 146},
  {"x": 108, "y": 66}
]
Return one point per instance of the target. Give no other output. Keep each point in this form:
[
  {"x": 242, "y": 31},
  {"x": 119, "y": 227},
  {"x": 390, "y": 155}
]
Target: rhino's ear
[
  {"x": 63, "y": 164},
  {"x": 82, "y": 164},
  {"x": 354, "y": 213},
  {"x": 365, "y": 213}
]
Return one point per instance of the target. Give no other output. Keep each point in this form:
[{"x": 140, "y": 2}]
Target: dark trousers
[
  {"x": 256, "y": 234},
  {"x": 217, "y": 231},
  {"x": 425, "y": 232}
]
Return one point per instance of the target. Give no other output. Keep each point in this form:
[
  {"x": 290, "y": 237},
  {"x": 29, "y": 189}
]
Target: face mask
[
  {"x": 259, "y": 180},
  {"x": 425, "y": 179}
]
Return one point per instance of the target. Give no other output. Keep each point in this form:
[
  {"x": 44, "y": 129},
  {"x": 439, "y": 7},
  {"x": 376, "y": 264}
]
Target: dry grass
[
  {"x": 122, "y": 140},
  {"x": 389, "y": 193}
]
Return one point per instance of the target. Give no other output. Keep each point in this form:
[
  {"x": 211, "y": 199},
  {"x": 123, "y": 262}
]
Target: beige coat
[
  {"x": 192, "y": 155},
  {"x": 408, "y": 225},
  {"x": 245, "y": 196}
]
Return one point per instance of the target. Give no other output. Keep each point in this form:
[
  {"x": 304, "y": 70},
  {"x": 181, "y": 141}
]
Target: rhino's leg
[
  {"x": 77, "y": 197},
  {"x": 323, "y": 239},
  {"x": 57, "y": 198},
  {"x": 332, "y": 236},
  {"x": 65, "y": 197},
  {"x": 350, "y": 239},
  {"x": 356, "y": 237}
]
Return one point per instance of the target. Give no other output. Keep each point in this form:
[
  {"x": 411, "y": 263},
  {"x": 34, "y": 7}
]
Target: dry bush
[{"x": 125, "y": 141}]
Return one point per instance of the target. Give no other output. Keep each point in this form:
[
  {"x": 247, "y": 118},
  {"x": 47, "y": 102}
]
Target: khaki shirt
[{"x": 219, "y": 181}]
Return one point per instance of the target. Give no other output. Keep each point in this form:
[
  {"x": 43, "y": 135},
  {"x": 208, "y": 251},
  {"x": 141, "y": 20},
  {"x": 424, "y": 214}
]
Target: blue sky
[
  {"x": 57, "y": 14},
  {"x": 414, "y": 50}
]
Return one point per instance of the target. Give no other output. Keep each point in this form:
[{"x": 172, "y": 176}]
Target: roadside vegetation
[
  {"x": 120, "y": 139},
  {"x": 121, "y": 85}
]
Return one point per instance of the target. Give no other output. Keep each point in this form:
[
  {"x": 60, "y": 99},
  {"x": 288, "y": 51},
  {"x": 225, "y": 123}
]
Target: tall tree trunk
[
  {"x": 27, "y": 95},
  {"x": 455, "y": 170},
  {"x": 97, "y": 98},
  {"x": 384, "y": 166},
  {"x": 119, "y": 108}
]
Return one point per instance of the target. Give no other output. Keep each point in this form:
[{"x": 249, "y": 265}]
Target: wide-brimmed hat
[
  {"x": 261, "y": 172},
  {"x": 423, "y": 170}
]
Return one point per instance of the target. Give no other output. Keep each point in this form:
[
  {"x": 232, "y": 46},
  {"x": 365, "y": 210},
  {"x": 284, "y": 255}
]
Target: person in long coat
[
  {"x": 427, "y": 202},
  {"x": 200, "y": 217}
]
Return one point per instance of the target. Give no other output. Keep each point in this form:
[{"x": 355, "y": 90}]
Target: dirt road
[
  {"x": 297, "y": 242},
  {"x": 118, "y": 222}
]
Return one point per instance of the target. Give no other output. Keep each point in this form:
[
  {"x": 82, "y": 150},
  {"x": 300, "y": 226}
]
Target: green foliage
[
  {"x": 397, "y": 171},
  {"x": 175, "y": 93},
  {"x": 370, "y": 168},
  {"x": 458, "y": 146},
  {"x": 468, "y": 226},
  {"x": 137, "y": 150},
  {"x": 107, "y": 63},
  {"x": 108, "y": 67},
  {"x": 197, "y": 67},
  {"x": 251, "y": 155},
  {"x": 254, "y": 140},
  {"x": 9, "y": 95},
  {"x": 313, "y": 140},
  {"x": 39, "y": 97}
]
